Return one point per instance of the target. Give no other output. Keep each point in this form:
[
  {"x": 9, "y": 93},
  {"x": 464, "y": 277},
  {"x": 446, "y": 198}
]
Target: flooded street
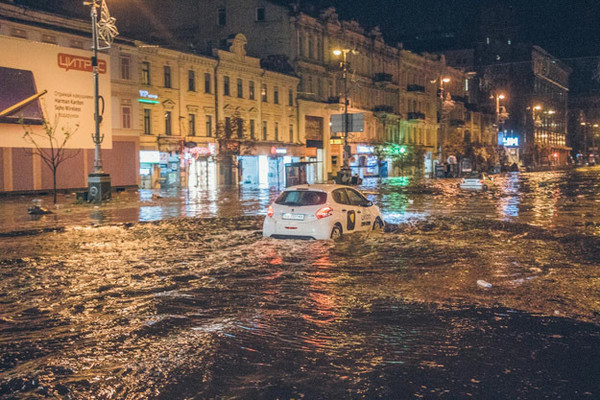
[{"x": 178, "y": 296}]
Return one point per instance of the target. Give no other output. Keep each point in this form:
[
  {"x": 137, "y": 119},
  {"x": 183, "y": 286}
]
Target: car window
[
  {"x": 473, "y": 175},
  {"x": 356, "y": 199},
  {"x": 340, "y": 196},
  {"x": 301, "y": 198}
]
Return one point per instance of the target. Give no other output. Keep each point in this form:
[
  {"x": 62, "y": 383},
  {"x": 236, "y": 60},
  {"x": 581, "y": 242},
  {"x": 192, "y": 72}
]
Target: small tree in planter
[{"x": 50, "y": 144}]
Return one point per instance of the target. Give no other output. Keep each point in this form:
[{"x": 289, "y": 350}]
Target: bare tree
[{"x": 50, "y": 144}]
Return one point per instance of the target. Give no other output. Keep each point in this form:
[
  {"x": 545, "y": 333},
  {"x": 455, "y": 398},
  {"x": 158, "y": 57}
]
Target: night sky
[{"x": 566, "y": 28}]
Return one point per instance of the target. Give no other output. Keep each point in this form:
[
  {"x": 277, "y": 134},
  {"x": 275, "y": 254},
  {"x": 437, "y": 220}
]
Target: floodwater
[{"x": 466, "y": 295}]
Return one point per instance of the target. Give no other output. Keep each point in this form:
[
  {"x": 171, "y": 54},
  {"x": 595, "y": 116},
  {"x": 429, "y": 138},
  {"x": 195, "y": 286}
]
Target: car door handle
[
  {"x": 358, "y": 212},
  {"x": 343, "y": 210}
]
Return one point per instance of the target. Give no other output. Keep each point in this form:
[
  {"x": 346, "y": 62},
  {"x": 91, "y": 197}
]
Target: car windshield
[{"x": 301, "y": 198}]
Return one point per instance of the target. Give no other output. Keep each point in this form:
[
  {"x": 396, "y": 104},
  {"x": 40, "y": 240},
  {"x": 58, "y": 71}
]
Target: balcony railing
[
  {"x": 382, "y": 77},
  {"x": 415, "y": 88},
  {"x": 416, "y": 116},
  {"x": 383, "y": 108}
]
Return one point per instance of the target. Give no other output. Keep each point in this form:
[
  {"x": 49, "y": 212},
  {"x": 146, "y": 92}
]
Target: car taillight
[
  {"x": 462, "y": 181},
  {"x": 479, "y": 181},
  {"x": 324, "y": 212},
  {"x": 270, "y": 211}
]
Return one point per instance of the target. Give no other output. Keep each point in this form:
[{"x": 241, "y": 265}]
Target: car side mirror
[{"x": 367, "y": 204}]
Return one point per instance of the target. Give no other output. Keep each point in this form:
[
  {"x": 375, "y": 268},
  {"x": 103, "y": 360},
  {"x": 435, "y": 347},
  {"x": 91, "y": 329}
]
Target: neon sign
[{"x": 510, "y": 141}]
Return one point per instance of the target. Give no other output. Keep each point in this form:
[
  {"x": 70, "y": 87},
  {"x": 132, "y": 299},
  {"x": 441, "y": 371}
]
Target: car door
[
  {"x": 347, "y": 211},
  {"x": 362, "y": 212}
]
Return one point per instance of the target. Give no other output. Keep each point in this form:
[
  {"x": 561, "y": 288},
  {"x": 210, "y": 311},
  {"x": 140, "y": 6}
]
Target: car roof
[{"x": 323, "y": 187}]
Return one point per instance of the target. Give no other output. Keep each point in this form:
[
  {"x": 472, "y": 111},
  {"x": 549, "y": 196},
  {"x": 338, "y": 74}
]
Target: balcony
[
  {"x": 383, "y": 108},
  {"x": 415, "y": 88},
  {"x": 457, "y": 122},
  {"x": 382, "y": 77},
  {"x": 412, "y": 116}
]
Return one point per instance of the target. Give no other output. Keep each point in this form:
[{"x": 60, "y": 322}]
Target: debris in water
[{"x": 483, "y": 284}]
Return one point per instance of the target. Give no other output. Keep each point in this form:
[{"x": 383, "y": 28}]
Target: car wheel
[
  {"x": 485, "y": 188},
  {"x": 336, "y": 232},
  {"x": 378, "y": 225}
]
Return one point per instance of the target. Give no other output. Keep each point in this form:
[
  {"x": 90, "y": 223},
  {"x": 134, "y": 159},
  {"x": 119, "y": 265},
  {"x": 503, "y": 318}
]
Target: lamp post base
[{"x": 98, "y": 187}]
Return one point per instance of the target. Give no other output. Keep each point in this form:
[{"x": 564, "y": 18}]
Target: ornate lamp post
[
  {"x": 102, "y": 28},
  {"x": 345, "y": 173}
]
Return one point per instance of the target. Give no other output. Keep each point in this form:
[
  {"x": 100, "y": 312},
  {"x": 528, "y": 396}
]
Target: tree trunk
[{"x": 54, "y": 183}]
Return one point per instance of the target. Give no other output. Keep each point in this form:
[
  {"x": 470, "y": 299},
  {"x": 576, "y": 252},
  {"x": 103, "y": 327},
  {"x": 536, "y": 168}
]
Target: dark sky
[{"x": 566, "y": 28}]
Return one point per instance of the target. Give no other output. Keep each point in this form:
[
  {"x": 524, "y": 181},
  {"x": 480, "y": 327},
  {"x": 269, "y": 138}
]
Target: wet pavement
[{"x": 466, "y": 295}]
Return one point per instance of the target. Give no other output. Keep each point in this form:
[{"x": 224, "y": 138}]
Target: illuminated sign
[
  {"x": 149, "y": 157},
  {"x": 147, "y": 97},
  {"x": 77, "y": 63},
  {"x": 364, "y": 149},
  {"x": 335, "y": 141},
  {"x": 209, "y": 150},
  {"x": 275, "y": 150},
  {"x": 510, "y": 141},
  {"x": 144, "y": 171}
]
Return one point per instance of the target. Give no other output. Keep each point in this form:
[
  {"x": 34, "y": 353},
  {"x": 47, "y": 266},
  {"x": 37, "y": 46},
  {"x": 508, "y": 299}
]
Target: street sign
[{"x": 356, "y": 123}]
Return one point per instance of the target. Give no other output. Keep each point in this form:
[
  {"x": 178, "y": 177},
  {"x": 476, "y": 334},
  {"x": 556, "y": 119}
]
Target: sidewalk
[{"x": 132, "y": 206}]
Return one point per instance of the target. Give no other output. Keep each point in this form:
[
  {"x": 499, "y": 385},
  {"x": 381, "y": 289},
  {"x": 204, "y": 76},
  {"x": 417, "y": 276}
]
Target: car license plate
[{"x": 295, "y": 217}]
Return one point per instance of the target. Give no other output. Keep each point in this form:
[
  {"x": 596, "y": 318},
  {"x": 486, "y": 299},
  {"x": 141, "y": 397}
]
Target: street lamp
[
  {"x": 102, "y": 28},
  {"x": 345, "y": 173}
]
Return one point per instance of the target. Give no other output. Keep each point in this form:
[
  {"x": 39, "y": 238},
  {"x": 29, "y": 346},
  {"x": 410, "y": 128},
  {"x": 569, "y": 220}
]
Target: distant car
[
  {"x": 322, "y": 211},
  {"x": 477, "y": 181}
]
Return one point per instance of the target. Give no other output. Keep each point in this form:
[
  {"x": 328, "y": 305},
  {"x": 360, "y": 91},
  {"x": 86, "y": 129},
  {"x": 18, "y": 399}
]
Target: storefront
[
  {"x": 266, "y": 167},
  {"x": 201, "y": 166},
  {"x": 365, "y": 163},
  {"x": 170, "y": 176},
  {"x": 149, "y": 169}
]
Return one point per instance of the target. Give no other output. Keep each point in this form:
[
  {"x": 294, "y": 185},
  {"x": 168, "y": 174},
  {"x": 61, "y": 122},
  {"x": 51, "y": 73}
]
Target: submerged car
[
  {"x": 477, "y": 181},
  {"x": 322, "y": 211}
]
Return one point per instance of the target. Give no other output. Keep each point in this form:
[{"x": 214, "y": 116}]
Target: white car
[
  {"x": 323, "y": 211},
  {"x": 477, "y": 181}
]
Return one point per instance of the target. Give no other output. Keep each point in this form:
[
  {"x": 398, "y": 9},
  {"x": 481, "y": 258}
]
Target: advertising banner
[{"x": 44, "y": 81}]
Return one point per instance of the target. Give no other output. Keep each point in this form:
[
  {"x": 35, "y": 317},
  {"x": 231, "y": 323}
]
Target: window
[
  {"x": 226, "y": 86},
  {"x": 146, "y": 73},
  {"x": 291, "y": 133},
  {"x": 277, "y": 131},
  {"x": 227, "y": 126},
  {"x": 291, "y": 98},
  {"x": 147, "y": 121},
  {"x": 191, "y": 81},
  {"x": 221, "y": 17},
  {"x": 264, "y": 93},
  {"x": 260, "y": 14},
  {"x": 168, "y": 123},
  {"x": 49, "y": 39},
  {"x": 126, "y": 115},
  {"x": 252, "y": 130},
  {"x": 356, "y": 199},
  {"x": 124, "y": 68},
  {"x": 192, "y": 124},
  {"x": 301, "y": 198},
  {"x": 167, "y": 74},
  {"x": 264, "y": 130},
  {"x": 207, "y": 83},
  {"x": 340, "y": 196},
  {"x": 209, "y": 125},
  {"x": 276, "y": 95},
  {"x": 310, "y": 47},
  {"x": 251, "y": 90},
  {"x": 240, "y": 88}
]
